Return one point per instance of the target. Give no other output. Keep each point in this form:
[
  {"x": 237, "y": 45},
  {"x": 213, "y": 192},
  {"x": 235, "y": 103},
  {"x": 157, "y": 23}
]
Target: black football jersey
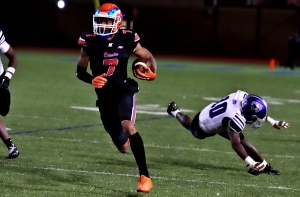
[{"x": 110, "y": 57}]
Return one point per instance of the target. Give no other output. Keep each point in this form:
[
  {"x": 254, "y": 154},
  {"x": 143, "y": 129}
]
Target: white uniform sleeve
[
  {"x": 4, "y": 46},
  {"x": 237, "y": 123}
]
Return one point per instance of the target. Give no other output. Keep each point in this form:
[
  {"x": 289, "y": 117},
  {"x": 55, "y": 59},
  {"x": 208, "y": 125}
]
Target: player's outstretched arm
[
  {"x": 240, "y": 150},
  {"x": 82, "y": 65},
  {"x": 277, "y": 124}
]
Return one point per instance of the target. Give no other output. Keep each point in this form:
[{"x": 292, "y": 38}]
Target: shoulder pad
[
  {"x": 129, "y": 32},
  {"x": 83, "y": 37},
  {"x": 136, "y": 37},
  {"x": 126, "y": 31},
  {"x": 2, "y": 38},
  {"x": 237, "y": 123}
]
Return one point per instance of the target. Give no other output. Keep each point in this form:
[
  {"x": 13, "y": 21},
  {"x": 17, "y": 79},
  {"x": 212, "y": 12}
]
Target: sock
[
  {"x": 138, "y": 150},
  {"x": 8, "y": 142}
]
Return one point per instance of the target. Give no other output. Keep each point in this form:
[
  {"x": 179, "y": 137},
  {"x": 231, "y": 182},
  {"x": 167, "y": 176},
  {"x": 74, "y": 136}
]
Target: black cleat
[
  {"x": 172, "y": 107},
  {"x": 13, "y": 153},
  {"x": 269, "y": 170},
  {"x": 254, "y": 172}
]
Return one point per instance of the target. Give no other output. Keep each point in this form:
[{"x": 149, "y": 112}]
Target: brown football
[{"x": 140, "y": 67}]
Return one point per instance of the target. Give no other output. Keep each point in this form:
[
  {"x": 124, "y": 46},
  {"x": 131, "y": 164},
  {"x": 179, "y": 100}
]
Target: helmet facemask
[
  {"x": 105, "y": 26},
  {"x": 255, "y": 122}
]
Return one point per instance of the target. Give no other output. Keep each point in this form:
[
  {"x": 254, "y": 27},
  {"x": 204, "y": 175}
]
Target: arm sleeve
[
  {"x": 4, "y": 46},
  {"x": 83, "y": 75},
  {"x": 237, "y": 123}
]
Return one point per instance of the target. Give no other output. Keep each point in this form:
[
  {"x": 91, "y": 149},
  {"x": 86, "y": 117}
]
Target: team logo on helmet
[{"x": 256, "y": 106}]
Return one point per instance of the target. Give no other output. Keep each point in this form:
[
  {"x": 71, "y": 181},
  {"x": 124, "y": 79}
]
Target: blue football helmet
[{"x": 254, "y": 109}]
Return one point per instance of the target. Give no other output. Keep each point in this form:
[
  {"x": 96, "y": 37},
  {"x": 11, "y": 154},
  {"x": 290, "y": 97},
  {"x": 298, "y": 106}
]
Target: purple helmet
[{"x": 254, "y": 109}]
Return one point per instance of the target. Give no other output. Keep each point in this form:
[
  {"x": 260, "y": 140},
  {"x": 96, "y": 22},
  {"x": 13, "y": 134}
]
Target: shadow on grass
[
  {"x": 54, "y": 183},
  {"x": 193, "y": 164},
  {"x": 33, "y": 190}
]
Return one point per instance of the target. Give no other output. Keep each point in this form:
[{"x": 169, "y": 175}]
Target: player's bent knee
[
  {"x": 123, "y": 149},
  {"x": 4, "y": 111},
  {"x": 128, "y": 127}
]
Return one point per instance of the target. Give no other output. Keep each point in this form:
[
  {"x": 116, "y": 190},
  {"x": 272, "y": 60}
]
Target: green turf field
[{"x": 66, "y": 152}]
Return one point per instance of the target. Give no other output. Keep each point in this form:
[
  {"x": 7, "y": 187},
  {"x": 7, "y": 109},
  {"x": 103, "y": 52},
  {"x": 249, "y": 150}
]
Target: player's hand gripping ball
[{"x": 141, "y": 70}]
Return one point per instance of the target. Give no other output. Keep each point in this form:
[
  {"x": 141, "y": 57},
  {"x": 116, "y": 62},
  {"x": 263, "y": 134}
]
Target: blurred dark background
[{"x": 224, "y": 28}]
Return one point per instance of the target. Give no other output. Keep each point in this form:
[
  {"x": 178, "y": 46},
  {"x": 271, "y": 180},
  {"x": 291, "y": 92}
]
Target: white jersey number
[{"x": 218, "y": 108}]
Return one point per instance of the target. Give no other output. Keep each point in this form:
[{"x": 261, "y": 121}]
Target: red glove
[
  {"x": 146, "y": 75},
  {"x": 99, "y": 81}
]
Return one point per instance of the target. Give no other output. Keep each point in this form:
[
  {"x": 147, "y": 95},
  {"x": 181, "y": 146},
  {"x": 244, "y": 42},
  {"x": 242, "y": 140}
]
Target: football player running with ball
[
  {"x": 107, "y": 50},
  {"x": 228, "y": 118}
]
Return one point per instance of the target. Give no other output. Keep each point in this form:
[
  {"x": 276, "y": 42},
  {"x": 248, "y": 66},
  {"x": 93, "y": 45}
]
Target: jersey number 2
[
  {"x": 218, "y": 108},
  {"x": 112, "y": 63}
]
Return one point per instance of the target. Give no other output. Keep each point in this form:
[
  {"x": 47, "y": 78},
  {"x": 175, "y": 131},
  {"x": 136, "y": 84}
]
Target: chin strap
[{"x": 105, "y": 37}]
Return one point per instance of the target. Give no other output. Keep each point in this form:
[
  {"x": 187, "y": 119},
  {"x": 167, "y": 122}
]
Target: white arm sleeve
[{"x": 4, "y": 46}]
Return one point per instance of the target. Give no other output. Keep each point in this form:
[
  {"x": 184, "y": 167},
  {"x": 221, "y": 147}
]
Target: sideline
[{"x": 179, "y": 57}]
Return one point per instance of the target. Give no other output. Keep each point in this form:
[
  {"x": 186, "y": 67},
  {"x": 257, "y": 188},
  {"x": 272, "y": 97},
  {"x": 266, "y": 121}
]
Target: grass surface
[{"x": 66, "y": 151}]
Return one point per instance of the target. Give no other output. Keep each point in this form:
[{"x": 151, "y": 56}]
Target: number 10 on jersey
[{"x": 218, "y": 108}]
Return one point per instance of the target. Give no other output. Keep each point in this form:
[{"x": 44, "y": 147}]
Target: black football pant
[
  {"x": 114, "y": 109},
  {"x": 4, "y": 101}
]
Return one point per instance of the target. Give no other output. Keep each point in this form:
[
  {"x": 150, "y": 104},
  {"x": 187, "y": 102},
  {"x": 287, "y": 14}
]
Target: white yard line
[
  {"x": 36, "y": 117},
  {"x": 154, "y": 177},
  {"x": 297, "y": 91},
  {"x": 153, "y": 109},
  {"x": 167, "y": 147}
]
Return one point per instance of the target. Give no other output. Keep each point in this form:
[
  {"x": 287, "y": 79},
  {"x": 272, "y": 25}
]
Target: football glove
[
  {"x": 99, "y": 81},
  {"x": 267, "y": 170},
  {"x": 259, "y": 166},
  {"x": 250, "y": 162},
  {"x": 5, "y": 82},
  {"x": 278, "y": 124},
  {"x": 148, "y": 75}
]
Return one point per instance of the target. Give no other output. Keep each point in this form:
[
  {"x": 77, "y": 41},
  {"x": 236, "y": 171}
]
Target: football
[
  {"x": 139, "y": 66},
  {"x": 141, "y": 70}
]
